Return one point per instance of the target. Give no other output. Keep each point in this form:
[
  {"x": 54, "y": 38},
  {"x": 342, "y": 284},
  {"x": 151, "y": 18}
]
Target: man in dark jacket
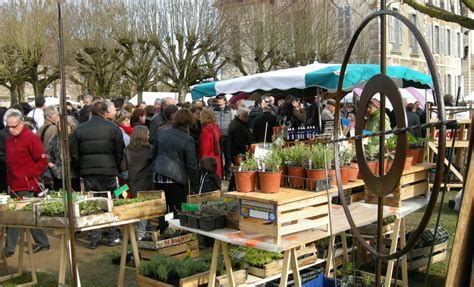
[
  {"x": 239, "y": 135},
  {"x": 224, "y": 115},
  {"x": 257, "y": 110},
  {"x": 85, "y": 112},
  {"x": 413, "y": 119},
  {"x": 266, "y": 120},
  {"x": 160, "y": 118},
  {"x": 97, "y": 150}
]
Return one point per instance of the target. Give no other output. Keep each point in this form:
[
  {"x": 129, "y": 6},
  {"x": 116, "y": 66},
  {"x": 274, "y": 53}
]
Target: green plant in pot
[
  {"x": 346, "y": 154},
  {"x": 270, "y": 174},
  {"x": 246, "y": 176},
  {"x": 318, "y": 163},
  {"x": 296, "y": 156},
  {"x": 415, "y": 148},
  {"x": 371, "y": 152}
]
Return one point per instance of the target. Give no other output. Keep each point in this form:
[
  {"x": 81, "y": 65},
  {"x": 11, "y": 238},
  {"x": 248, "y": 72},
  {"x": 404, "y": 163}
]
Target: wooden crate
[
  {"x": 279, "y": 214},
  {"x": 418, "y": 258},
  {"x": 240, "y": 277},
  {"x": 79, "y": 220},
  {"x": 12, "y": 213},
  {"x": 163, "y": 243},
  {"x": 413, "y": 182},
  {"x": 275, "y": 267},
  {"x": 154, "y": 207},
  {"x": 371, "y": 229},
  {"x": 204, "y": 197},
  {"x": 180, "y": 251}
]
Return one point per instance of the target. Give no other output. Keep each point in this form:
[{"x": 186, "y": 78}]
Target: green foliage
[
  {"x": 254, "y": 257},
  {"x": 56, "y": 207},
  {"x": 346, "y": 154},
  {"x": 389, "y": 219},
  {"x": 119, "y": 202},
  {"x": 272, "y": 162},
  {"x": 347, "y": 270},
  {"x": 248, "y": 163},
  {"x": 367, "y": 279},
  {"x": 296, "y": 155},
  {"x": 317, "y": 158},
  {"x": 413, "y": 141},
  {"x": 391, "y": 143},
  {"x": 372, "y": 149}
]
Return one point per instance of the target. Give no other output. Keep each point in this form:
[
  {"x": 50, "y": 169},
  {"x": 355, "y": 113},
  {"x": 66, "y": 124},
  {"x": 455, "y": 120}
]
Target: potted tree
[
  {"x": 270, "y": 174},
  {"x": 317, "y": 165},
  {"x": 295, "y": 157},
  {"x": 246, "y": 176}
]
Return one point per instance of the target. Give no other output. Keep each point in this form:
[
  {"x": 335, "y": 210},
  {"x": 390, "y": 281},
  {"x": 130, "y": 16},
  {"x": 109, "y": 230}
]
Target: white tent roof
[
  {"x": 150, "y": 97},
  {"x": 51, "y": 101}
]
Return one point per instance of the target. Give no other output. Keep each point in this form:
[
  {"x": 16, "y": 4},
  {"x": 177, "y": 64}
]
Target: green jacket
[{"x": 374, "y": 122}]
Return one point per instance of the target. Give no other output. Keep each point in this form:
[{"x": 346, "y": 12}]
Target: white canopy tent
[
  {"x": 150, "y": 97},
  {"x": 51, "y": 101}
]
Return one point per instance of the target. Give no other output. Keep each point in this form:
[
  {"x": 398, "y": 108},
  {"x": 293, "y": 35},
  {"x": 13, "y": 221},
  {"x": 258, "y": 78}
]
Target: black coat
[
  {"x": 259, "y": 127},
  {"x": 175, "y": 157},
  {"x": 239, "y": 137},
  {"x": 412, "y": 120},
  {"x": 254, "y": 113},
  {"x": 137, "y": 162},
  {"x": 3, "y": 164},
  {"x": 97, "y": 147},
  {"x": 85, "y": 113}
]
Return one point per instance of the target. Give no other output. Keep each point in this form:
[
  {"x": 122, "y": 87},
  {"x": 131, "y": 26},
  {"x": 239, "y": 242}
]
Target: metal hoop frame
[{"x": 441, "y": 140}]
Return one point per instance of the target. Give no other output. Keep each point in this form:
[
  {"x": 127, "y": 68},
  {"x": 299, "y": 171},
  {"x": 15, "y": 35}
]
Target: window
[
  {"x": 436, "y": 40},
  {"x": 442, "y": 42},
  {"x": 459, "y": 46},
  {"x": 429, "y": 35},
  {"x": 413, "y": 43},
  {"x": 395, "y": 33},
  {"x": 448, "y": 42},
  {"x": 344, "y": 23},
  {"x": 448, "y": 84}
]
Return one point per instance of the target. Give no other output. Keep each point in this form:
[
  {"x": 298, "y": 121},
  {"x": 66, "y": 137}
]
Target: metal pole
[
  {"x": 383, "y": 65},
  {"x": 64, "y": 136}
]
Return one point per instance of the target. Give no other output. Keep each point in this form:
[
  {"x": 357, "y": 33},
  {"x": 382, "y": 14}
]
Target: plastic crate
[{"x": 427, "y": 237}]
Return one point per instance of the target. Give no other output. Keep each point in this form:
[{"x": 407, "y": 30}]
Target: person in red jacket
[
  {"x": 209, "y": 139},
  {"x": 26, "y": 162}
]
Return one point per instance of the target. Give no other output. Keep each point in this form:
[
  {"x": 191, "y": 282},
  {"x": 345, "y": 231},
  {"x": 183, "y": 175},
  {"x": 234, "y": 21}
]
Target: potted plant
[
  {"x": 415, "y": 147},
  {"x": 270, "y": 174},
  {"x": 295, "y": 157},
  {"x": 371, "y": 151},
  {"x": 317, "y": 164},
  {"x": 246, "y": 176},
  {"x": 346, "y": 155}
]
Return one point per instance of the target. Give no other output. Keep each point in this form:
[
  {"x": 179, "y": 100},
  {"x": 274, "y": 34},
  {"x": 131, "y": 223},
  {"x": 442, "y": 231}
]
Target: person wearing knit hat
[
  {"x": 327, "y": 115},
  {"x": 373, "y": 121}
]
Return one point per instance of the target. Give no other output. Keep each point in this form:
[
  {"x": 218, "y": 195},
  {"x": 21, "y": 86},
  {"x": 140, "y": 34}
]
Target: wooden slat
[
  {"x": 420, "y": 263},
  {"x": 303, "y": 213},
  {"x": 247, "y": 226},
  {"x": 303, "y": 203},
  {"x": 240, "y": 276},
  {"x": 413, "y": 177},
  {"x": 208, "y": 196},
  {"x": 414, "y": 190},
  {"x": 426, "y": 250},
  {"x": 446, "y": 162},
  {"x": 304, "y": 225},
  {"x": 286, "y": 195},
  {"x": 195, "y": 280}
]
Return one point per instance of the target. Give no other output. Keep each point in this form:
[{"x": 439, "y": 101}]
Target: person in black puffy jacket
[
  {"x": 96, "y": 151},
  {"x": 175, "y": 160}
]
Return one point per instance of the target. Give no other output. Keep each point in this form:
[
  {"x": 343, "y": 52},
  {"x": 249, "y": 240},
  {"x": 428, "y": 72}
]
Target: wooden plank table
[{"x": 363, "y": 214}]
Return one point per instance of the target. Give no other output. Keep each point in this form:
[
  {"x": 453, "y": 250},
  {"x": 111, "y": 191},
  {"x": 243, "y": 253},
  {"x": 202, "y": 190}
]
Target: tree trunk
[
  {"x": 183, "y": 90},
  {"x": 140, "y": 97},
  {"x": 13, "y": 95}
]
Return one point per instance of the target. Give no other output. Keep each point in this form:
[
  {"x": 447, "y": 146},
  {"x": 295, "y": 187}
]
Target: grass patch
[{"x": 448, "y": 221}]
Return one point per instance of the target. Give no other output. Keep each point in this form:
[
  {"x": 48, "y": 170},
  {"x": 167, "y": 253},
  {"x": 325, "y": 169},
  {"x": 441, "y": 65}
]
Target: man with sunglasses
[{"x": 26, "y": 162}]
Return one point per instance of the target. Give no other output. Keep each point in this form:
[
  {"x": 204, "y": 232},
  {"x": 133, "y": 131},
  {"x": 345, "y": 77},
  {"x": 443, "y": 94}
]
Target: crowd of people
[{"x": 180, "y": 148}]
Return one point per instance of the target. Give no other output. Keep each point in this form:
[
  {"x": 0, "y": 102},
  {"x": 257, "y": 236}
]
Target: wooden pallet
[
  {"x": 163, "y": 243},
  {"x": 180, "y": 251},
  {"x": 413, "y": 182},
  {"x": 279, "y": 214},
  {"x": 153, "y": 207},
  {"x": 240, "y": 277},
  {"x": 275, "y": 267},
  {"x": 418, "y": 258},
  {"x": 79, "y": 220}
]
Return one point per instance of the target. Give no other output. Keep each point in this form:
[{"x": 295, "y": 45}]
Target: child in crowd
[{"x": 209, "y": 179}]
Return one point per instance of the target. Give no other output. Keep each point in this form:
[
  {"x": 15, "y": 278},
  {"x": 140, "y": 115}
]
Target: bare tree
[
  {"x": 188, "y": 33},
  {"x": 13, "y": 72},
  {"x": 447, "y": 15}
]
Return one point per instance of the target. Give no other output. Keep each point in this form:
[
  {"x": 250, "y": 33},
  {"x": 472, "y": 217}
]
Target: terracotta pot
[
  {"x": 345, "y": 173},
  {"x": 421, "y": 154},
  {"x": 332, "y": 173},
  {"x": 297, "y": 176},
  {"x": 284, "y": 176},
  {"x": 408, "y": 162},
  {"x": 414, "y": 154},
  {"x": 354, "y": 171},
  {"x": 313, "y": 176},
  {"x": 387, "y": 163},
  {"x": 372, "y": 167},
  {"x": 269, "y": 181},
  {"x": 245, "y": 180}
]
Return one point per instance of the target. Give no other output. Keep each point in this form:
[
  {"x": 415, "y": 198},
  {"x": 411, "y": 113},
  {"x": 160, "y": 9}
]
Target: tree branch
[{"x": 438, "y": 13}]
